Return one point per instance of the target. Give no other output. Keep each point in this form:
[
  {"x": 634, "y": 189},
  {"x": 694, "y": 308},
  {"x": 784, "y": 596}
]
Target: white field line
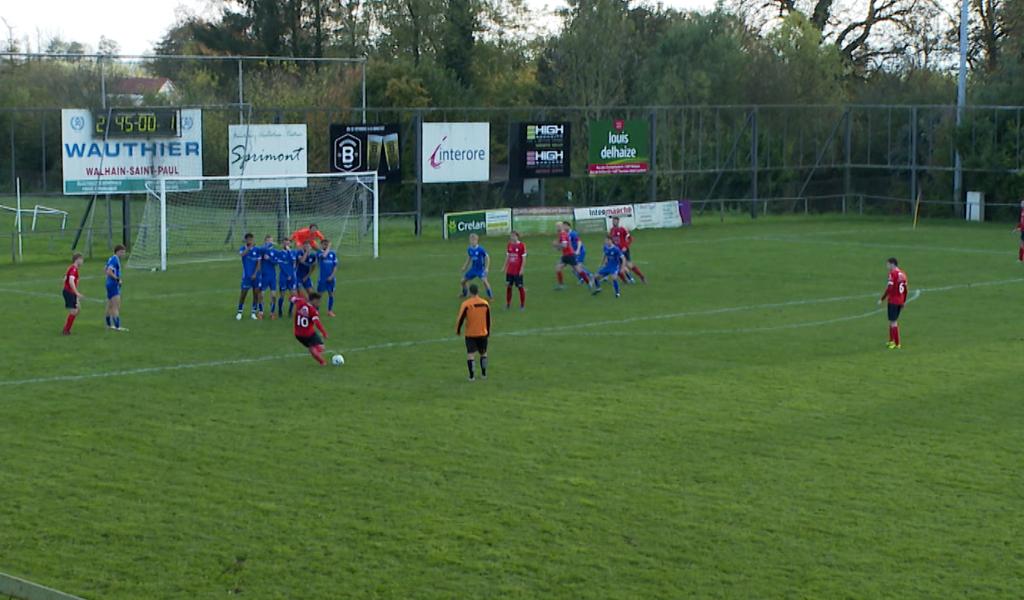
[
  {"x": 533, "y": 331},
  {"x": 50, "y": 295}
]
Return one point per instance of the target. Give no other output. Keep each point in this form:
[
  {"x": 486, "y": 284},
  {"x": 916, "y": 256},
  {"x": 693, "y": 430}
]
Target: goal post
[{"x": 203, "y": 219}]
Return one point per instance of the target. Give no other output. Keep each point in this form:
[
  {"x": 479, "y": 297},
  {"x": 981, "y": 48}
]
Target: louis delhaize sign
[
  {"x": 360, "y": 148},
  {"x": 619, "y": 147},
  {"x": 454, "y": 152},
  {"x": 93, "y": 165},
  {"x": 255, "y": 150}
]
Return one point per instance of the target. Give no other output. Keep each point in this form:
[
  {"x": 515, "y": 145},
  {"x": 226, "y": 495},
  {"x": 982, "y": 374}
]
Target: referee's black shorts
[{"x": 476, "y": 344}]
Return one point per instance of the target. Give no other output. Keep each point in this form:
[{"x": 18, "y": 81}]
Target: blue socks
[
  {"x": 490, "y": 294},
  {"x": 280, "y": 305},
  {"x": 108, "y": 320},
  {"x": 241, "y": 306},
  {"x": 615, "y": 284},
  {"x": 117, "y": 322},
  {"x": 330, "y": 303}
]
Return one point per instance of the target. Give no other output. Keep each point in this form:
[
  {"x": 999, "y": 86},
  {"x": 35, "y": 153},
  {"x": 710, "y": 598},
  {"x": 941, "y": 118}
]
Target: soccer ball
[{"x": 337, "y": 360}]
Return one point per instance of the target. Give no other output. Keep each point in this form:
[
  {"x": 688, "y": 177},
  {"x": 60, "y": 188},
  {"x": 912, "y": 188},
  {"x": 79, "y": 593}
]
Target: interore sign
[{"x": 481, "y": 222}]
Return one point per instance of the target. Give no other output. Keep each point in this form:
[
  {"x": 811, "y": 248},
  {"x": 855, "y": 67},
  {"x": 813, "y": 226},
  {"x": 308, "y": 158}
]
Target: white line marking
[
  {"x": 534, "y": 331},
  {"x": 50, "y": 295}
]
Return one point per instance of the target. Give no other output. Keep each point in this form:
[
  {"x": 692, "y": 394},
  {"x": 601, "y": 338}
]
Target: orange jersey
[
  {"x": 304, "y": 235},
  {"x": 475, "y": 313}
]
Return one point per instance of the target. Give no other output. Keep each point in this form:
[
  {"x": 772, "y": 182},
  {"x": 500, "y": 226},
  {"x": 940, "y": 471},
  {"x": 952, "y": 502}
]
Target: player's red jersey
[
  {"x": 897, "y": 289},
  {"x": 620, "y": 237},
  {"x": 69, "y": 276},
  {"x": 565, "y": 244},
  {"x": 514, "y": 263},
  {"x": 306, "y": 317}
]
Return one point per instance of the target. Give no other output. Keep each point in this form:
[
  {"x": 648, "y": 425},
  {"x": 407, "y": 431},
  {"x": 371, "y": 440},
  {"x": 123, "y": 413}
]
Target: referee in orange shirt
[{"x": 475, "y": 313}]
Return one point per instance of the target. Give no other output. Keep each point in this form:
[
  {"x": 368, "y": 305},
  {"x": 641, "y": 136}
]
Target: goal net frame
[{"x": 159, "y": 189}]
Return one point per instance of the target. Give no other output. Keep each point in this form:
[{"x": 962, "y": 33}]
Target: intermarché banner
[
  {"x": 619, "y": 147},
  {"x": 481, "y": 222}
]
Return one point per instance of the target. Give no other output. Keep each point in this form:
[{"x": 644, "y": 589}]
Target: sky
[{"x": 142, "y": 27}]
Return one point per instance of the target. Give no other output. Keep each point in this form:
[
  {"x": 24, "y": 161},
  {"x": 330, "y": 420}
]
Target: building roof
[{"x": 139, "y": 86}]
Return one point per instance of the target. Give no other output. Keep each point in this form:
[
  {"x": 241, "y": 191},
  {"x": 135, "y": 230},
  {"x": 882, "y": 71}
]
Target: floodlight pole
[{"x": 961, "y": 100}]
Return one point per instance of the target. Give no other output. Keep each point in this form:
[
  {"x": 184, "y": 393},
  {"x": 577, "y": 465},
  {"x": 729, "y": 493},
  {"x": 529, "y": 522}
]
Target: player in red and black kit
[
  {"x": 515, "y": 262},
  {"x": 307, "y": 321},
  {"x": 896, "y": 293},
  {"x": 622, "y": 238},
  {"x": 72, "y": 295},
  {"x": 1020, "y": 228}
]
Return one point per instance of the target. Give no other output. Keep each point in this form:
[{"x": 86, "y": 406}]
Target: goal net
[{"x": 202, "y": 219}]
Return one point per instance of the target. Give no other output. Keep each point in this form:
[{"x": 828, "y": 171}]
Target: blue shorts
[
  {"x": 325, "y": 286},
  {"x": 305, "y": 282},
  {"x": 113, "y": 289},
  {"x": 286, "y": 283},
  {"x": 474, "y": 274},
  {"x": 250, "y": 284},
  {"x": 581, "y": 257},
  {"x": 267, "y": 281},
  {"x": 609, "y": 270}
]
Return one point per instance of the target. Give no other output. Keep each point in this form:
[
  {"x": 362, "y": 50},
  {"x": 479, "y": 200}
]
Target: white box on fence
[
  {"x": 975, "y": 206},
  {"x": 657, "y": 215}
]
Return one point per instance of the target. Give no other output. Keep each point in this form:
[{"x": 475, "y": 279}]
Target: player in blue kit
[
  {"x": 251, "y": 258},
  {"x": 581, "y": 256},
  {"x": 305, "y": 262},
  {"x": 610, "y": 266},
  {"x": 113, "y": 271},
  {"x": 284, "y": 258},
  {"x": 478, "y": 262},
  {"x": 268, "y": 276},
  {"x": 328, "y": 260}
]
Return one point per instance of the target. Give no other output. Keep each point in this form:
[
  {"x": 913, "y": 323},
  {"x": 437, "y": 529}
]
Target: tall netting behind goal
[{"x": 204, "y": 219}]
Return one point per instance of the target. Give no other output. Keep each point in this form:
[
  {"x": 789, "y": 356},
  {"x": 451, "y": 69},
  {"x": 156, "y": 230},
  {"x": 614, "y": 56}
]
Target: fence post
[
  {"x": 753, "y": 164},
  {"x": 848, "y": 150},
  {"x": 14, "y": 169},
  {"x": 652, "y": 192},
  {"x": 418, "y": 127},
  {"x": 913, "y": 154},
  {"x": 241, "y": 95}
]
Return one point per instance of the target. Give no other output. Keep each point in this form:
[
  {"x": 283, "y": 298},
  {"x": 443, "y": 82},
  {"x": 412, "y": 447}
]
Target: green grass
[{"x": 736, "y": 429}]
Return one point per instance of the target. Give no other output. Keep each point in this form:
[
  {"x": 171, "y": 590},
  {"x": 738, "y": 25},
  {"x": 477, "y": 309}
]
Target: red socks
[
  {"x": 69, "y": 323},
  {"x": 894, "y": 334},
  {"x": 586, "y": 279},
  {"x": 318, "y": 353},
  {"x": 522, "y": 296},
  {"x": 508, "y": 295},
  {"x": 561, "y": 280},
  {"x": 638, "y": 273}
]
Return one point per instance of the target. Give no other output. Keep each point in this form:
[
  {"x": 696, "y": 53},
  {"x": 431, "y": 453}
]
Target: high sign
[
  {"x": 255, "y": 150},
  {"x": 455, "y": 152},
  {"x": 619, "y": 147},
  {"x": 93, "y": 165},
  {"x": 359, "y": 148},
  {"x": 543, "y": 150}
]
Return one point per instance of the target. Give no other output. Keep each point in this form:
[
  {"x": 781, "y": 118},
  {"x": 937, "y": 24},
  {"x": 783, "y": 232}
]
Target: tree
[
  {"x": 866, "y": 32},
  {"x": 108, "y": 47}
]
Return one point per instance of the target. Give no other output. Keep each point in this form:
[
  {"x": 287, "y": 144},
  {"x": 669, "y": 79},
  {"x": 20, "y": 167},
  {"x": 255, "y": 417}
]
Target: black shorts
[
  {"x": 894, "y": 311},
  {"x": 626, "y": 254},
  {"x": 516, "y": 280},
  {"x": 476, "y": 344},
  {"x": 70, "y": 300},
  {"x": 569, "y": 260},
  {"x": 1022, "y": 235},
  {"x": 309, "y": 342}
]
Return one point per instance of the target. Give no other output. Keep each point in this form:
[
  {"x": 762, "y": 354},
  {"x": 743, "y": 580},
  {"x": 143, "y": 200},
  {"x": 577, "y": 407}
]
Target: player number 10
[{"x": 302, "y": 321}]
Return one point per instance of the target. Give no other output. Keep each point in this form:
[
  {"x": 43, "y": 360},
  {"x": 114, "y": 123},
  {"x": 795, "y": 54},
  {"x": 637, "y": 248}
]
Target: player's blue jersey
[
  {"x": 574, "y": 240},
  {"x": 328, "y": 261},
  {"x": 267, "y": 266},
  {"x": 114, "y": 263},
  {"x": 250, "y": 258},
  {"x": 478, "y": 258},
  {"x": 285, "y": 261},
  {"x": 305, "y": 266},
  {"x": 614, "y": 256}
]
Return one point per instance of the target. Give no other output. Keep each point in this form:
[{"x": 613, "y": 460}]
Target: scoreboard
[{"x": 137, "y": 123}]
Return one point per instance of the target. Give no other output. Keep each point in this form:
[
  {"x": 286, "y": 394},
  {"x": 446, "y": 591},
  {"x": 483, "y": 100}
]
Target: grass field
[{"x": 736, "y": 429}]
